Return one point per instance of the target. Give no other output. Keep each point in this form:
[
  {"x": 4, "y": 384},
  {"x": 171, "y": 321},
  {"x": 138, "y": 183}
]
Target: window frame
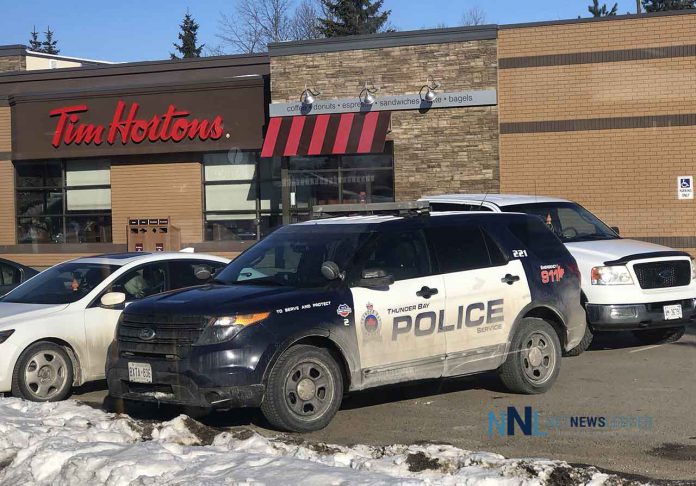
[{"x": 65, "y": 215}]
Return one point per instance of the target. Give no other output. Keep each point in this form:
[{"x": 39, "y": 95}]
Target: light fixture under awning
[{"x": 343, "y": 133}]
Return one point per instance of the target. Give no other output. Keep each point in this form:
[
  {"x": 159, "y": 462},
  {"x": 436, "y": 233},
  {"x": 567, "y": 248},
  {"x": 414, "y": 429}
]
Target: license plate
[
  {"x": 139, "y": 372},
  {"x": 672, "y": 312}
]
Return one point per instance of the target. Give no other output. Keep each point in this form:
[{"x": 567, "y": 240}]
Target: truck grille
[
  {"x": 164, "y": 329},
  {"x": 660, "y": 275}
]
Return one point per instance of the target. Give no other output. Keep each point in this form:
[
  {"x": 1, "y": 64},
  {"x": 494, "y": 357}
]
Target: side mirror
[
  {"x": 204, "y": 274},
  {"x": 113, "y": 300},
  {"x": 330, "y": 271},
  {"x": 375, "y": 278},
  {"x": 616, "y": 230}
]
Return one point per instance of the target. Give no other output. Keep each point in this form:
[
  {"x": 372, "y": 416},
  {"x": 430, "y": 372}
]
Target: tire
[
  {"x": 583, "y": 345},
  {"x": 660, "y": 336},
  {"x": 303, "y": 390},
  {"x": 43, "y": 373},
  {"x": 536, "y": 373}
]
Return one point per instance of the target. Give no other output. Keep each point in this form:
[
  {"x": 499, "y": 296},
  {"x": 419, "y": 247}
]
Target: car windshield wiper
[{"x": 259, "y": 281}]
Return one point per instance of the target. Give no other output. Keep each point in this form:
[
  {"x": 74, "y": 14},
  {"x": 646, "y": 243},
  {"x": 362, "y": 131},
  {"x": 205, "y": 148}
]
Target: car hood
[
  {"x": 599, "y": 251},
  {"x": 11, "y": 313},
  {"x": 217, "y": 300}
]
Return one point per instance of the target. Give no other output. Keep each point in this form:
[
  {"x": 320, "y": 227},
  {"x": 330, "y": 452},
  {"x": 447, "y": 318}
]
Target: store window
[
  {"x": 242, "y": 195},
  {"x": 339, "y": 179},
  {"x": 63, "y": 201}
]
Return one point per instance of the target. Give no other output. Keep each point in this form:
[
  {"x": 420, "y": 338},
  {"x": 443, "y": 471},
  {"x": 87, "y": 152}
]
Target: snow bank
[{"x": 69, "y": 443}]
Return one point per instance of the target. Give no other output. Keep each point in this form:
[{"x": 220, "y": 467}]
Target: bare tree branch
[
  {"x": 305, "y": 22},
  {"x": 474, "y": 16},
  {"x": 255, "y": 24}
]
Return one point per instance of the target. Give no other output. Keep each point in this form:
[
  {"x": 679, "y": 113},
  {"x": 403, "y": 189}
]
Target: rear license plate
[
  {"x": 139, "y": 373},
  {"x": 672, "y": 312}
]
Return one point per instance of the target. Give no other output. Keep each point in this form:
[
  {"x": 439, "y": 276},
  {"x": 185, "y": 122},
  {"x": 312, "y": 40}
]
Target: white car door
[
  {"x": 100, "y": 323},
  {"x": 484, "y": 294},
  {"x": 397, "y": 329}
]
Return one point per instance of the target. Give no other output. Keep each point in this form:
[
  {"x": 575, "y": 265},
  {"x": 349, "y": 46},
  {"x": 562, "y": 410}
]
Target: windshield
[
  {"x": 570, "y": 221},
  {"x": 293, "y": 256},
  {"x": 62, "y": 284}
]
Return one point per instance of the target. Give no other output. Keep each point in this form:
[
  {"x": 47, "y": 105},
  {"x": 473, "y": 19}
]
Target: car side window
[
  {"x": 143, "y": 282},
  {"x": 462, "y": 247},
  {"x": 403, "y": 254},
  {"x": 184, "y": 273},
  {"x": 9, "y": 275}
]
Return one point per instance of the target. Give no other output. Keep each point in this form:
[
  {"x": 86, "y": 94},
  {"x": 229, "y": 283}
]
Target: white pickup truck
[{"x": 627, "y": 285}]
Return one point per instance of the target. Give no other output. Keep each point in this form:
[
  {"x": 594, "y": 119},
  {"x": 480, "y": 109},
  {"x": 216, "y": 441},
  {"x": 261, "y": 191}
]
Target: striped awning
[{"x": 343, "y": 133}]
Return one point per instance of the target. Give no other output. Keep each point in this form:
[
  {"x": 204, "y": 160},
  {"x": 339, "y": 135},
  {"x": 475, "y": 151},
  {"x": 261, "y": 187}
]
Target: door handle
[
  {"x": 510, "y": 279},
  {"x": 426, "y": 292}
]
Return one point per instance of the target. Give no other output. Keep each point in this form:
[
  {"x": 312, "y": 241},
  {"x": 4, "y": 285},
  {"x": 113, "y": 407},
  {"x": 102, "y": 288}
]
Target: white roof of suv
[{"x": 498, "y": 199}]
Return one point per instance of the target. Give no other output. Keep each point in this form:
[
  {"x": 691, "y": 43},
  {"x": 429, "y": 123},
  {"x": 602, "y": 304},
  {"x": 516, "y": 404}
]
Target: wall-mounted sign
[
  {"x": 486, "y": 97},
  {"x": 685, "y": 187},
  {"x": 127, "y": 126},
  {"x": 169, "y": 119}
]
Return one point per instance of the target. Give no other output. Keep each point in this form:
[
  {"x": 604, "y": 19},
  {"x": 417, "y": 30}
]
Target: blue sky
[{"x": 129, "y": 30}]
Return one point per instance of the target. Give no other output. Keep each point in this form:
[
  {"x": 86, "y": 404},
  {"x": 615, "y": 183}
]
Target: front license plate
[
  {"x": 672, "y": 312},
  {"x": 139, "y": 373}
]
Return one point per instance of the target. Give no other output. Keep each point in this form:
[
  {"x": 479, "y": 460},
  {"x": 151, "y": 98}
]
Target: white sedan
[{"x": 55, "y": 329}]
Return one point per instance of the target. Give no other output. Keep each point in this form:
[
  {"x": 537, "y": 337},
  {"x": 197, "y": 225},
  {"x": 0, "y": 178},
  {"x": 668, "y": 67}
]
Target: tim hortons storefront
[{"x": 93, "y": 148}]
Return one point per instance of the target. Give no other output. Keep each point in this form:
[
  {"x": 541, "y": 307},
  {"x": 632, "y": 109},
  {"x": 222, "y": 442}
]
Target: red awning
[{"x": 344, "y": 133}]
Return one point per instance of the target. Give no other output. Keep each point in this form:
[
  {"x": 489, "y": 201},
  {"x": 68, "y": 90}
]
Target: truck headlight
[
  {"x": 693, "y": 269},
  {"x": 221, "y": 329},
  {"x": 4, "y": 335},
  {"x": 614, "y": 275}
]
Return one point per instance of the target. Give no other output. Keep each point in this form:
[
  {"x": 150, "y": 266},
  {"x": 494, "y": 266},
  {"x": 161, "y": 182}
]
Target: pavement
[{"x": 617, "y": 379}]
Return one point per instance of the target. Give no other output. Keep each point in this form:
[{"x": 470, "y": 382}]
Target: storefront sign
[
  {"x": 127, "y": 127},
  {"x": 191, "y": 117},
  {"x": 456, "y": 99},
  {"x": 685, "y": 187}
]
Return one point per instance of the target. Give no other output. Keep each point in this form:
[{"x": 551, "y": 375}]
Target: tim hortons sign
[{"x": 126, "y": 127}]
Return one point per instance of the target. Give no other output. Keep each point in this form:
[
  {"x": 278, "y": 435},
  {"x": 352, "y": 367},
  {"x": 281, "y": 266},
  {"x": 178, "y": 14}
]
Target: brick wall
[
  {"x": 7, "y": 196},
  {"x": 627, "y": 139},
  {"x": 441, "y": 151},
  {"x": 12, "y": 63}
]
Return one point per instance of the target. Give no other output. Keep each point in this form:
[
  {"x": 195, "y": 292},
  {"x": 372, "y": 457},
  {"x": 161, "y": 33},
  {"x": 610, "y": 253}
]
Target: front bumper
[
  {"x": 632, "y": 317},
  {"x": 195, "y": 381}
]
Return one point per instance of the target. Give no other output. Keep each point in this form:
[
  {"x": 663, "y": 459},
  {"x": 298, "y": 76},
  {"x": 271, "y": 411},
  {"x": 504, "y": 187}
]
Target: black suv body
[{"x": 325, "y": 307}]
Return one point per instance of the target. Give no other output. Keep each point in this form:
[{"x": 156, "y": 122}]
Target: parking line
[{"x": 645, "y": 349}]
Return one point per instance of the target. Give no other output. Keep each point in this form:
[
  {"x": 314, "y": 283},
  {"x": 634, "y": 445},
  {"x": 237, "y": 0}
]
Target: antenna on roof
[{"x": 485, "y": 196}]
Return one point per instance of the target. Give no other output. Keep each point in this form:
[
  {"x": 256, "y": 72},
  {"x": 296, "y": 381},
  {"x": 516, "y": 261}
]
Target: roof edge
[{"x": 582, "y": 20}]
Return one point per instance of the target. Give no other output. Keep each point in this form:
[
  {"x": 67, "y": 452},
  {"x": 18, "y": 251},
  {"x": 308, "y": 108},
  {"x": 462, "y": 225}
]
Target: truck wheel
[
  {"x": 583, "y": 345},
  {"x": 43, "y": 373},
  {"x": 303, "y": 390},
  {"x": 660, "y": 336},
  {"x": 534, "y": 359}
]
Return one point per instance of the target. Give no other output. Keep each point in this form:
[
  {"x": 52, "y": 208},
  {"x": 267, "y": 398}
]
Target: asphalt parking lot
[{"x": 616, "y": 378}]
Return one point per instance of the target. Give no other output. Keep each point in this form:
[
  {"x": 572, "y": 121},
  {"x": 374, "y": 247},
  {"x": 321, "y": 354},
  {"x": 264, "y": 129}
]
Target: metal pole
[{"x": 638, "y": 9}]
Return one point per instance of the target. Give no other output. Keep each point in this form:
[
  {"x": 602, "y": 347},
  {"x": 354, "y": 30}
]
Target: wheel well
[
  {"x": 552, "y": 318},
  {"x": 77, "y": 368},
  {"x": 332, "y": 347}
]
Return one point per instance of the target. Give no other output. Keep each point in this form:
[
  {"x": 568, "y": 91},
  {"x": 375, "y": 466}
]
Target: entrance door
[{"x": 397, "y": 329}]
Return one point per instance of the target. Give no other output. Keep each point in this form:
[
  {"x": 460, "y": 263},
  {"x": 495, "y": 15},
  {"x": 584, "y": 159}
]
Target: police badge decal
[{"x": 372, "y": 322}]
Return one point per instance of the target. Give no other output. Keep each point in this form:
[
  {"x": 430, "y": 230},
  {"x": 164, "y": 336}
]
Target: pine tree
[
  {"x": 352, "y": 17},
  {"x": 49, "y": 45},
  {"x": 188, "y": 37},
  {"x": 602, "y": 11},
  {"x": 34, "y": 42},
  {"x": 664, "y": 5}
]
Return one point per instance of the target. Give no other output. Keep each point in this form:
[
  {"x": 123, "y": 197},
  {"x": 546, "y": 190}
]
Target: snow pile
[{"x": 68, "y": 443}]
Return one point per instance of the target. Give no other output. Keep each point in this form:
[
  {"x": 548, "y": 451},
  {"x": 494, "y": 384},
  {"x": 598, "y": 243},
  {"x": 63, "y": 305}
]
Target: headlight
[
  {"x": 693, "y": 269},
  {"x": 615, "y": 275},
  {"x": 221, "y": 329},
  {"x": 4, "y": 335}
]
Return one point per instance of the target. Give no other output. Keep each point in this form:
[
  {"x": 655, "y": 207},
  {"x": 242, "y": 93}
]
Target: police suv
[{"x": 334, "y": 305}]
